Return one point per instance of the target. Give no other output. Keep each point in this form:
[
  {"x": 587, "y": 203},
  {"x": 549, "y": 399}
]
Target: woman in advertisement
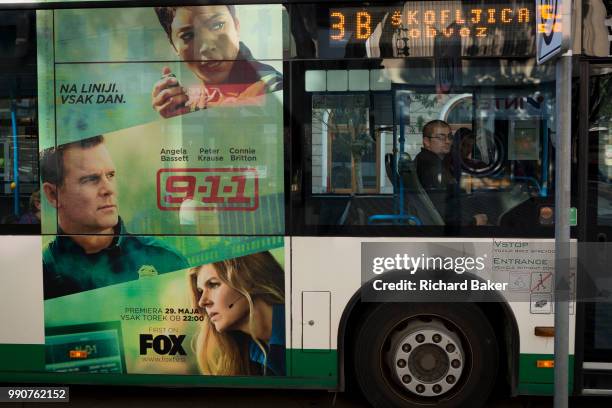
[{"x": 242, "y": 300}]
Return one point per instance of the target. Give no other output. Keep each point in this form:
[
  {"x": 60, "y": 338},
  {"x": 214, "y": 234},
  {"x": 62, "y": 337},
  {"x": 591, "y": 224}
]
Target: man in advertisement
[
  {"x": 92, "y": 248},
  {"x": 434, "y": 169},
  {"x": 207, "y": 39}
]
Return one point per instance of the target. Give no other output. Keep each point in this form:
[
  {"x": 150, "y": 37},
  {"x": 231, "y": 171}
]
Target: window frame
[
  {"x": 20, "y": 72},
  {"x": 301, "y": 193}
]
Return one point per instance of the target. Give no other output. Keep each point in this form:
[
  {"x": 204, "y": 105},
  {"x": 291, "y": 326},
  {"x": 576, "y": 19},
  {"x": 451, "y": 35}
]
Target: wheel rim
[{"x": 426, "y": 358}]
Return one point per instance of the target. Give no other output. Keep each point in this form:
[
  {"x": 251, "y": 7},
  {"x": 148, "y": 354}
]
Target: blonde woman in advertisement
[{"x": 242, "y": 300}]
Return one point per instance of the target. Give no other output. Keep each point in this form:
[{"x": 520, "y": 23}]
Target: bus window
[
  {"x": 600, "y": 147},
  {"x": 114, "y": 82},
  {"x": 346, "y": 153},
  {"x": 19, "y": 189},
  {"x": 396, "y": 150}
]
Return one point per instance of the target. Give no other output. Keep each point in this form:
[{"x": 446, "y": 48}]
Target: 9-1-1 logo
[{"x": 213, "y": 189}]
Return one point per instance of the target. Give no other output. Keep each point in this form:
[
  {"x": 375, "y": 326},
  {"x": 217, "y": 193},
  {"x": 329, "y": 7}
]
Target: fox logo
[{"x": 162, "y": 344}]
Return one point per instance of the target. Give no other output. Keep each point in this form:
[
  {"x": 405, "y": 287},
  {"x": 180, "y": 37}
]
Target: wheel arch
[{"x": 497, "y": 310}]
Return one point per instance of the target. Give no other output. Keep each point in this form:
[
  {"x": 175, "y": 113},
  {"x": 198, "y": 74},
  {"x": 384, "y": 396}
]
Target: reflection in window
[
  {"x": 19, "y": 186},
  {"x": 495, "y": 168},
  {"x": 600, "y": 141},
  {"x": 603, "y": 175},
  {"x": 343, "y": 152},
  {"x": 19, "y": 172}
]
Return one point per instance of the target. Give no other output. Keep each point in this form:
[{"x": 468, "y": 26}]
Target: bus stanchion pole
[
  {"x": 15, "y": 160},
  {"x": 562, "y": 228}
]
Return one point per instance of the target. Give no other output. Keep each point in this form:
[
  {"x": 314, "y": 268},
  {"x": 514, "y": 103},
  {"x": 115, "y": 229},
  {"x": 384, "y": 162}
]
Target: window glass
[
  {"x": 182, "y": 107},
  {"x": 344, "y": 149},
  {"x": 20, "y": 205},
  {"x": 476, "y": 152},
  {"x": 600, "y": 139}
]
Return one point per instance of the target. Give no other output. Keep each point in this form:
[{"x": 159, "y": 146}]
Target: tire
[{"x": 448, "y": 353}]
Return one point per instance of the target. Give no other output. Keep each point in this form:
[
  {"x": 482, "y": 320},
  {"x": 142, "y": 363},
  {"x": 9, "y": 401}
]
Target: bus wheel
[{"x": 419, "y": 355}]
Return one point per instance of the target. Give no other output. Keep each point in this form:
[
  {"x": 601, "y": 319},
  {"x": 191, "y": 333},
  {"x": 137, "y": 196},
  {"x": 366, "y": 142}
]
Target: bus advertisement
[
  {"x": 298, "y": 195},
  {"x": 217, "y": 219}
]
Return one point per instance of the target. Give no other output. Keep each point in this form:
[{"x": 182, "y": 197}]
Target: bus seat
[
  {"x": 525, "y": 214},
  {"x": 415, "y": 196},
  {"x": 363, "y": 207},
  {"x": 390, "y": 167}
]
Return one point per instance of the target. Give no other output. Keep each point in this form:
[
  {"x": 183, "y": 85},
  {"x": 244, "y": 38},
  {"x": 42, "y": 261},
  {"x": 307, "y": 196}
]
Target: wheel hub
[
  {"x": 427, "y": 358},
  {"x": 428, "y": 362}
]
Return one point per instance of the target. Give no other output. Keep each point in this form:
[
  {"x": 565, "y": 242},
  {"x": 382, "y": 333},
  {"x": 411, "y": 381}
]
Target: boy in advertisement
[
  {"x": 92, "y": 248},
  {"x": 206, "y": 38}
]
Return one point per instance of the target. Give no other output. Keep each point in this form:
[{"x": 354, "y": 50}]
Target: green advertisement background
[
  {"x": 129, "y": 47},
  {"x": 136, "y": 154},
  {"x": 170, "y": 290},
  {"x": 124, "y": 52}
]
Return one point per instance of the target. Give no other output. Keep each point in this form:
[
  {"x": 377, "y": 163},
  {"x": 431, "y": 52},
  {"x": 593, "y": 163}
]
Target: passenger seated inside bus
[{"x": 434, "y": 166}]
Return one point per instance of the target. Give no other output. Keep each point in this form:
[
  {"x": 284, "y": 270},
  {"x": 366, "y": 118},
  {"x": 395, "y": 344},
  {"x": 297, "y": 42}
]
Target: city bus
[{"x": 314, "y": 195}]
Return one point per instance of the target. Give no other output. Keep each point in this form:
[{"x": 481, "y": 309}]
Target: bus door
[{"x": 596, "y": 233}]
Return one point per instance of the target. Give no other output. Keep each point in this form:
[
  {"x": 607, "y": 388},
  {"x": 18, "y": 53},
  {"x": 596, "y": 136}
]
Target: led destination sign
[
  {"x": 411, "y": 28},
  {"x": 479, "y": 22}
]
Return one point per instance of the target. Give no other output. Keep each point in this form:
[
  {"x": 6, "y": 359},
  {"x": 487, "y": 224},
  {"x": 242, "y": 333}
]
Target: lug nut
[
  {"x": 437, "y": 338},
  {"x": 450, "y": 347},
  {"x": 420, "y": 388},
  {"x": 450, "y": 379},
  {"x": 456, "y": 363},
  {"x": 437, "y": 388},
  {"x": 401, "y": 363},
  {"x": 406, "y": 379},
  {"x": 406, "y": 348},
  {"x": 420, "y": 338}
]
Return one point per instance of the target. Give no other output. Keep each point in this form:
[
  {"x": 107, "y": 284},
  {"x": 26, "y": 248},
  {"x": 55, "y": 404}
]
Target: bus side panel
[
  {"x": 21, "y": 302},
  {"x": 320, "y": 265},
  {"x": 534, "y": 380},
  {"x": 338, "y": 271}
]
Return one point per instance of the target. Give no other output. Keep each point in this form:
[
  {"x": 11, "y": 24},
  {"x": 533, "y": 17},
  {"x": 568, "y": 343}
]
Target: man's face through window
[
  {"x": 87, "y": 200},
  {"x": 439, "y": 141},
  {"x": 206, "y": 37}
]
